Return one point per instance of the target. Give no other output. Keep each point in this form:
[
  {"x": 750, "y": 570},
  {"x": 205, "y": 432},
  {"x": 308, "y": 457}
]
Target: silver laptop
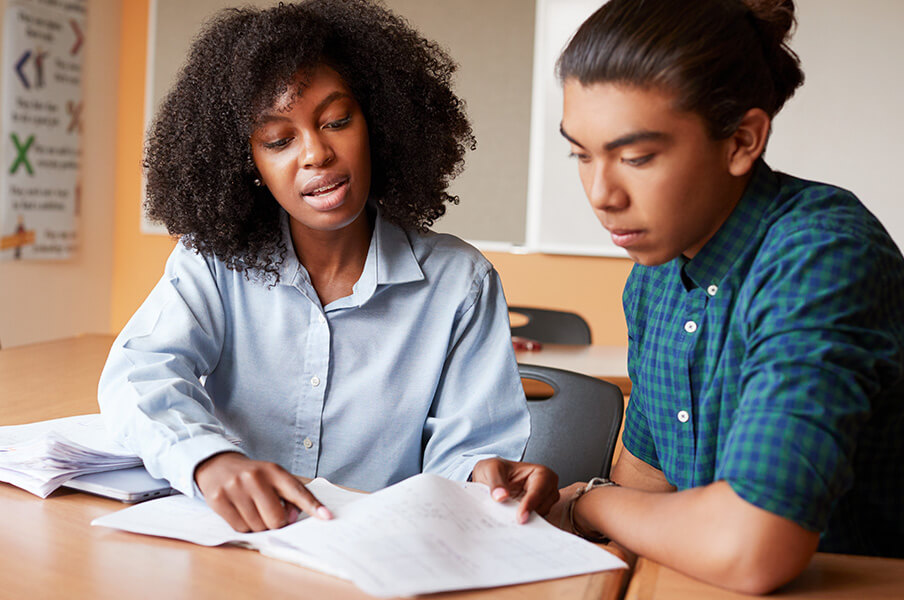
[{"x": 126, "y": 485}]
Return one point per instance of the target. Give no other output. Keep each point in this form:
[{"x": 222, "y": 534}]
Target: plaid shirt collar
[{"x": 742, "y": 230}]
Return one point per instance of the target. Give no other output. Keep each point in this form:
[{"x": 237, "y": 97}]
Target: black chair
[
  {"x": 552, "y": 326},
  {"x": 575, "y": 430}
]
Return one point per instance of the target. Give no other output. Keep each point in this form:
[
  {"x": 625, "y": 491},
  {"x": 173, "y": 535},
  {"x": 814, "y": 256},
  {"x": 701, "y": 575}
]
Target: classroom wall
[
  {"x": 116, "y": 265},
  {"x": 589, "y": 286},
  {"x": 138, "y": 258},
  {"x": 42, "y": 300}
]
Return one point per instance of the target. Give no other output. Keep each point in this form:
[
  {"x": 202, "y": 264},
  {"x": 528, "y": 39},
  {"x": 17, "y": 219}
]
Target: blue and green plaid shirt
[{"x": 774, "y": 360}]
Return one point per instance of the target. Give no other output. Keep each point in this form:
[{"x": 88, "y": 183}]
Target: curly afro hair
[{"x": 197, "y": 158}]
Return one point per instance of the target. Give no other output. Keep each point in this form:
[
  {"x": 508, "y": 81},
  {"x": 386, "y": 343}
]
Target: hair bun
[
  {"x": 774, "y": 21},
  {"x": 775, "y": 18}
]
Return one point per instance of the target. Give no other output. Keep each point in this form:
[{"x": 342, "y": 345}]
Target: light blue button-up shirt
[{"x": 414, "y": 371}]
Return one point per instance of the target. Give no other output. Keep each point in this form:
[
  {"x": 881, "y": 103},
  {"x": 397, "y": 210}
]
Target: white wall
[
  {"x": 845, "y": 125},
  {"x": 49, "y": 300}
]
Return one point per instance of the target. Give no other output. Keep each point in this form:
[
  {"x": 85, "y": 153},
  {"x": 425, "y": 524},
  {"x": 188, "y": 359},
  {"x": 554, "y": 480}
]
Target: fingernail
[
  {"x": 522, "y": 517},
  {"x": 293, "y": 514},
  {"x": 324, "y": 513},
  {"x": 500, "y": 493}
]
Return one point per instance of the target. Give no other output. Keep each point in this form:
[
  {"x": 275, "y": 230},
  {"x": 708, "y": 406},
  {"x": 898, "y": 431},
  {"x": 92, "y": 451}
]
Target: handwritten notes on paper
[{"x": 425, "y": 534}]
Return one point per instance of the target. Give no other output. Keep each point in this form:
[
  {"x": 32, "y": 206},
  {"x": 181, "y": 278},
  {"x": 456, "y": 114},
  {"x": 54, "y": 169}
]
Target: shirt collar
[
  {"x": 390, "y": 260},
  {"x": 740, "y": 231}
]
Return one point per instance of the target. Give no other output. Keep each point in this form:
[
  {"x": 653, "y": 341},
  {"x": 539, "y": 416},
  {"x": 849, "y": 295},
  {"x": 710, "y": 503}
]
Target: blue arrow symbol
[{"x": 19, "y": 66}]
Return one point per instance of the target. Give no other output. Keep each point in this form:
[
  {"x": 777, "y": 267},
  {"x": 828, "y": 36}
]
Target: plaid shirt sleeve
[
  {"x": 817, "y": 352},
  {"x": 636, "y": 435}
]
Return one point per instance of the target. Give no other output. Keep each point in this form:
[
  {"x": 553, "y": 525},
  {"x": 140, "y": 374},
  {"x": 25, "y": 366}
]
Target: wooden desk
[
  {"x": 604, "y": 362},
  {"x": 828, "y": 577},
  {"x": 49, "y": 550}
]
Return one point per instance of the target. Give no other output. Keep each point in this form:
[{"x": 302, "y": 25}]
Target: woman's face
[
  {"x": 312, "y": 152},
  {"x": 655, "y": 178}
]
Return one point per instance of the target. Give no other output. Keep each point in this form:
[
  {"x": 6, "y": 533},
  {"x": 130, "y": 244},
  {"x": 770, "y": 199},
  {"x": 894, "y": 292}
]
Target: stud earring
[{"x": 257, "y": 182}]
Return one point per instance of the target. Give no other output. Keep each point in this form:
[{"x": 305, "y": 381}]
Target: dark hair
[
  {"x": 720, "y": 57},
  {"x": 197, "y": 158}
]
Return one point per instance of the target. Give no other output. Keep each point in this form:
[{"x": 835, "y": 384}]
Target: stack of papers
[
  {"x": 40, "y": 457},
  {"x": 423, "y": 535}
]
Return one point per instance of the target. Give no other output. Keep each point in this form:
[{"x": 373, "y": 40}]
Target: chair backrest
[
  {"x": 552, "y": 326},
  {"x": 573, "y": 432}
]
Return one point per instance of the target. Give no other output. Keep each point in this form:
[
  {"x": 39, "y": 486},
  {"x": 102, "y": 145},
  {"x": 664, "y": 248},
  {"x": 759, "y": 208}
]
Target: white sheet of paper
[
  {"x": 84, "y": 430},
  {"x": 191, "y": 520},
  {"x": 39, "y": 457},
  {"x": 426, "y": 534}
]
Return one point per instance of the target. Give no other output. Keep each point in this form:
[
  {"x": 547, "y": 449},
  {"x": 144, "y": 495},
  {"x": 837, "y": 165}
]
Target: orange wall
[
  {"x": 137, "y": 258},
  {"x": 589, "y": 286}
]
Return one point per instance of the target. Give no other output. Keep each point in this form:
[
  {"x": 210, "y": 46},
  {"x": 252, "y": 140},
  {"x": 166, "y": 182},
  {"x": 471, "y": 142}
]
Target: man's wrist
[{"x": 579, "y": 524}]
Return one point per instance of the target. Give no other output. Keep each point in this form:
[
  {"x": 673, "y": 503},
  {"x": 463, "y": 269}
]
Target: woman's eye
[
  {"x": 276, "y": 144},
  {"x": 638, "y": 161},
  {"x": 338, "y": 123},
  {"x": 579, "y": 155}
]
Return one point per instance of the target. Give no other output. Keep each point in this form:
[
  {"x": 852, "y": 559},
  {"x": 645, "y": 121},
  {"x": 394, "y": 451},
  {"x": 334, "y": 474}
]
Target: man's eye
[
  {"x": 638, "y": 161},
  {"x": 579, "y": 155}
]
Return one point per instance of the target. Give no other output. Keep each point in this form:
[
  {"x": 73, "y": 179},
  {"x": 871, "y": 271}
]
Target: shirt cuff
[
  {"x": 464, "y": 466},
  {"x": 185, "y": 456}
]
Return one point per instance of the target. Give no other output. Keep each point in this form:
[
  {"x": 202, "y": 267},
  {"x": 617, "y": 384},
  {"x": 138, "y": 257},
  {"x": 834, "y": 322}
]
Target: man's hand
[
  {"x": 558, "y": 514},
  {"x": 534, "y": 485},
  {"x": 253, "y": 495}
]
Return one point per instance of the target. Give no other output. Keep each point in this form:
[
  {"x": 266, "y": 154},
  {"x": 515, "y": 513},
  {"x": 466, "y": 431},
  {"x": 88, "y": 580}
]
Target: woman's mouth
[{"x": 326, "y": 194}]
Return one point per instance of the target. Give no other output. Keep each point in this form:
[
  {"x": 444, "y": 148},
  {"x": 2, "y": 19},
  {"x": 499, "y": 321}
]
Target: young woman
[
  {"x": 307, "y": 311},
  {"x": 765, "y": 313}
]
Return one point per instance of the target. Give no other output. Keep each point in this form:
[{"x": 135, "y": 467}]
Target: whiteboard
[{"x": 559, "y": 217}]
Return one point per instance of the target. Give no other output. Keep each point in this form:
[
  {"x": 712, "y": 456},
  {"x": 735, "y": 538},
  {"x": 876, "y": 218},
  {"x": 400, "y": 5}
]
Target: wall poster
[{"x": 41, "y": 126}]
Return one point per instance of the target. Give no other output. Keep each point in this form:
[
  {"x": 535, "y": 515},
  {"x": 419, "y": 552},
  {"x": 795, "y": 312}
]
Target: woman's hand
[
  {"x": 253, "y": 495},
  {"x": 534, "y": 485}
]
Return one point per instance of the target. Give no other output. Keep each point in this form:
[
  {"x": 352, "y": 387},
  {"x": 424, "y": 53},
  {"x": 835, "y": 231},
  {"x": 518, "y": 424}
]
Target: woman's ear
[{"x": 748, "y": 141}]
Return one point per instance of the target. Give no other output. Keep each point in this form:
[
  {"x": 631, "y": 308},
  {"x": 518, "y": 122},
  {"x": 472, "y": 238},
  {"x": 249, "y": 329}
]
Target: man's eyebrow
[
  {"x": 568, "y": 137},
  {"x": 625, "y": 140},
  {"x": 634, "y": 137}
]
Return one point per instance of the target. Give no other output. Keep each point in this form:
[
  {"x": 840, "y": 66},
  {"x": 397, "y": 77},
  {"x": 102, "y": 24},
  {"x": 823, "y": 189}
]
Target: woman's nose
[{"x": 316, "y": 152}]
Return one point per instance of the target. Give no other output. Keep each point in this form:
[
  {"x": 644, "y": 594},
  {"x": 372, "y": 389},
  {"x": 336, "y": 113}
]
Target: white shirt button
[
  {"x": 690, "y": 327},
  {"x": 711, "y": 290},
  {"x": 315, "y": 381},
  {"x": 321, "y": 318},
  {"x": 683, "y": 416},
  {"x": 308, "y": 443}
]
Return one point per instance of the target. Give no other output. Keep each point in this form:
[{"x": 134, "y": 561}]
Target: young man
[{"x": 765, "y": 313}]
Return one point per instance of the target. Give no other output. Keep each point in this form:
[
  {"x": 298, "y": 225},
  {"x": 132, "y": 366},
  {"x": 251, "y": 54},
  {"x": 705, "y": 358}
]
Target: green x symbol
[{"x": 22, "y": 150}]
